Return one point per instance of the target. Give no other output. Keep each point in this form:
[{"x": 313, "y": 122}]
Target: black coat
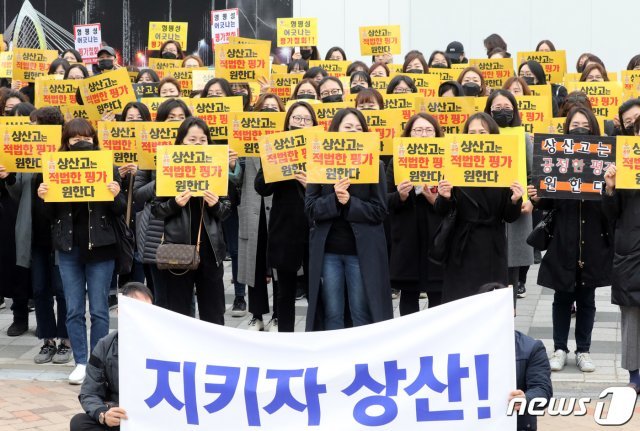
[
  {"x": 149, "y": 229},
  {"x": 9, "y": 273},
  {"x": 288, "y": 234},
  {"x": 365, "y": 212},
  {"x": 478, "y": 243},
  {"x": 413, "y": 225},
  {"x": 581, "y": 233},
  {"x": 623, "y": 209}
]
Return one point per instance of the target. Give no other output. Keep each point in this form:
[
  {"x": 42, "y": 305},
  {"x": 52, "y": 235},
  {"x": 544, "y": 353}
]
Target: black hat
[
  {"x": 454, "y": 50},
  {"x": 108, "y": 50}
]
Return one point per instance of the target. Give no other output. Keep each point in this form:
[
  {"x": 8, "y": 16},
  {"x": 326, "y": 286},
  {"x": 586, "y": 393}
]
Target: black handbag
[
  {"x": 439, "y": 249},
  {"x": 181, "y": 257},
  {"x": 126, "y": 241},
  {"x": 542, "y": 234}
]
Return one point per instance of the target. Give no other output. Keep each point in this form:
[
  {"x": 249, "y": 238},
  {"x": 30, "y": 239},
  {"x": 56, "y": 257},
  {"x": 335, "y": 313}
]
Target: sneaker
[
  {"x": 395, "y": 294},
  {"x": 300, "y": 294},
  {"x": 47, "y": 351},
  {"x": 423, "y": 295},
  {"x": 63, "y": 354},
  {"x": 522, "y": 291},
  {"x": 31, "y": 305},
  {"x": 584, "y": 362},
  {"x": 272, "y": 326},
  {"x": 77, "y": 375},
  {"x": 2, "y": 304},
  {"x": 17, "y": 328},
  {"x": 558, "y": 360},
  {"x": 573, "y": 310},
  {"x": 256, "y": 325},
  {"x": 239, "y": 308}
]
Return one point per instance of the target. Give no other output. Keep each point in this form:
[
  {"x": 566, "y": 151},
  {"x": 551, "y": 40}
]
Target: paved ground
[{"x": 37, "y": 397}]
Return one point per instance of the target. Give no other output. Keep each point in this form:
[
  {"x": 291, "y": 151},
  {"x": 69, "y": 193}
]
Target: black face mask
[
  {"x": 356, "y": 89},
  {"x": 580, "y": 131},
  {"x": 295, "y": 127},
  {"x": 105, "y": 64},
  {"x": 503, "y": 117},
  {"x": 268, "y": 109},
  {"x": 81, "y": 146},
  {"x": 629, "y": 131},
  {"x": 439, "y": 66},
  {"x": 471, "y": 89},
  {"x": 415, "y": 71},
  {"x": 305, "y": 96},
  {"x": 306, "y": 53},
  {"x": 169, "y": 55},
  {"x": 332, "y": 99},
  {"x": 455, "y": 61},
  {"x": 530, "y": 80}
]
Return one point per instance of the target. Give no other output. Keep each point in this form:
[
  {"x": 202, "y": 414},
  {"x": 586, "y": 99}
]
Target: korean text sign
[
  {"x": 248, "y": 127},
  {"x": 160, "y": 32},
  {"x": 571, "y": 166},
  {"x": 628, "y": 162},
  {"x": 237, "y": 62},
  {"x": 419, "y": 160},
  {"x": 554, "y": 63},
  {"x": 283, "y": 154},
  {"x": 332, "y": 156},
  {"x": 215, "y": 112},
  {"x": 28, "y": 64},
  {"x": 451, "y": 112},
  {"x": 107, "y": 92},
  {"x": 55, "y": 92},
  {"x": 458, "y": 375},
  {"x": 495, "y": 71},
  {"x": 297, "y": 31},
  {"x": 78, "y": 176},
  {"x": 150, "y": 136},
  {"x": 120, "y": 138},
  {"x": 224, "y": 23},
  {"x": 378, "y": 40},
  {"x": 88, "y": 41},
  {"x": 23, "y": 146},
  {"x": 605, "y": 97},
  {"x": 195, "y": 168}
]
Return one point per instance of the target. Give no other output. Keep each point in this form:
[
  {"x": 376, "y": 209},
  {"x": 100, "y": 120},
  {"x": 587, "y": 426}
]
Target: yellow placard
[
  {"x": 541, "y": 90},
  {"x": 630, "y": 84},
  {"x": 332, "y": 67},
  {"x": 522, "y": 154},
  {"x": 326, "y": 111},
  {"x": 150, "y": 136},
  {"x": 195, "y": 168},
  {"x": 23, "y": 146},
  {"x": 553, "y": 62},
  {"x": 107, "y": 92},
  {"x": 159, "y": 64},
  {"x": 55, "y": 92},
  {"x": 184, "y": 76},
  {"x": 380, "y": 83},
  {"x": 283, "y": 84},
  {"x": 575, "y": 76},
  {"x": 482, "y": 160},
  {"x": 120, "y": 138},
  {"x": 376, "y": 40},
  {"x": 459, "y": 66},
  {"x": 451, "y": 112},
  {"x": 388, "y": 124},
  {"x": 628, "y": 162},
  {"x": 160, "y": 32},
  {"x": 6, "y": 64},
  {"x": 248, "y": 127},
  {"x": 28, "y": 64},
  {"x": 332, "y": 156},
  {"x": 395, "y": 67},
  {"x": 200, "y": 78},
  {"x": 495, "y": 71},
  {"x": 285, "y": 153},
  {"x": 403, "y": 101},
  {"x": 427, "y": 84},
  {"x": 278, "y": 68},
  {"x": 74, "y": 176},
  {"x": 444, "y": 74},
  {"x": 242, "y": 62},
  {"x": 17, "y": 120},
  {"x": 297, "y": 31},
  {"x": 69, "y": 112},
  {"x": 215, "y": 112},
  {"x": 419, "y": 160},
  {"x": 535, "y": 112},
  {"x": 605, "y": 97}
]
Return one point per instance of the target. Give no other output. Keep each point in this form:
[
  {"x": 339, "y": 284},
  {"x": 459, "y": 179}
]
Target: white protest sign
[
  {"x": 224, "y": 23},
  {"x": 88, "y": 41}
]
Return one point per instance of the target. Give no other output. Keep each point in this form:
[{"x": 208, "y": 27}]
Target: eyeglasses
[
  {"x": 301, "y": 119},
  {"x": 402, "y": 90},
  {"x": 333, "y": 92},
  {"x": 422, "y": 130},
  {"x": 501, "y": 108},
  {"x": 306, "y": 92}
]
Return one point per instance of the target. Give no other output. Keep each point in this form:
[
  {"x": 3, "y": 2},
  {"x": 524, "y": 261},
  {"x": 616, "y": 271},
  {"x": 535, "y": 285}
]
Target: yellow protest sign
[
  {"x": 120, "y": 138},
  {"x": 380, "y": 83},
  {"x": 195, "y": 168},
  {"x": 395, "y": 67},
  {"x": 419, "y": 160},
  {"x": 297, "y": 31},
  {"x": 242, "y": 62},
  {"x": 376, "y": 40},
  {"x": 160, "y": 64},
  {"x": 160, "y": 32},
  {"x": 575, "y": 76},
  {"x": 444, "y": 74},
  {"x": 17, "y": 120},
  {"x": 630, "y": 84},
  {"x": 150, "y": 136},
  {"x": 23, "y": 146},
  {"x": 200, "y": 77},
  {"x": 387, "y": 124},
  {"x": 69, "y": 112},
  {"x": 326, "y": 111},
  {"x": 285, "y": 153},
  {"x": 107, "y": 92},
  {"x": 28, "y": 64},
  {"x": 553, "y": 62},
  {"x": 283, "y": 84},
  {"x": 332, "y": 67},
  {"x": 215, "y": 112},
  {"x": 541, "y": 90},
  {"x": 6, "y": 64},
  {"x": 605, "y": 97},
  {"x": 184, "y": 76},
  {"x": 522, "y": 154},
  {"x": 495, "y": 71},
  {"x": 278, "y": 69},
  {"x": 74, "y": 176},
  {"x": 332, "y": 156},
  {"x": 451, "y": 112},
  {"x": 427, "y": 84},
  {"x": 482, "y": 160},
  {"x": 402, "y": 101},
  {"x": 535, "y": 112},
  {"x": 628, "y": 162},
  {"x": 55, "y": 92},
  {"x": 248, "y": 127}
]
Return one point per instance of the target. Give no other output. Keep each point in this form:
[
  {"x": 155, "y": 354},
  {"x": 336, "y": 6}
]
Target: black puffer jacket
[{"x": 149, "y": 229}]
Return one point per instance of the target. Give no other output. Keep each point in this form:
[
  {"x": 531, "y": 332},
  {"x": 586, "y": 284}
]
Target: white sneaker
[
  {"x": 77, "y": 375},
  {"x": 256, "y": 325},
  {"x": 585, "y": 363},
  {"x": 272, "y": 326},
  {"x": 558, "y": 360}
]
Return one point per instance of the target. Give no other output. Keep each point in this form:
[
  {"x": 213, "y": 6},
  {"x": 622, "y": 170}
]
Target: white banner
[
  {"x": 88, "y": 40},
  {"x": 448, "y": 368},
  {"x": 224, "y": 23}
]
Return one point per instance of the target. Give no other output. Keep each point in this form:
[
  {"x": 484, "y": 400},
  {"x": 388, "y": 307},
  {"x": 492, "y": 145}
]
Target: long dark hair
[
  {"x": 83, "y": 69},
  {"x": 407, "y": 128},
  {"x": 401, "y": 78},
  {"x": 337, "y": 119},
  {"x": 516, "y": 121},
  {"x": 57, "y": 63},
  {"x": 78, "y": 127},
  {"x": 547, "y": 42},
  {"x": 580, "y": 109},
  {"x": 180, "y": 54},
  {"x": 141, "y": 107},
  {"x": 168, "y": 105},
  {"x": 152, "y": 73},
  {"x": 486, "y": 119},
  {"x": 223, "y": 83},
  {"x": 189, "y": 123},
  {"x": 537, "y": 71},
  {"x": 332, "y": 50}
]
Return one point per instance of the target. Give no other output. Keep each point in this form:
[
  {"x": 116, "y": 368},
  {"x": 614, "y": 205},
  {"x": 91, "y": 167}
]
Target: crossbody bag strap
[
  {"x": 200, "y": 227},
  {"x": 129, "y": 200}
]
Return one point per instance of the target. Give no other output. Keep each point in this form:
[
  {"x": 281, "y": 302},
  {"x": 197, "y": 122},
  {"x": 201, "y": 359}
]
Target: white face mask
[{"x": 418, "y": 189}]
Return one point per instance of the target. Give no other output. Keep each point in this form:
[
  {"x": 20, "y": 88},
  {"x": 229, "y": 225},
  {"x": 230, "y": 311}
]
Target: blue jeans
[
  {"x": 230, "y": 228},
  {"x": 336, "y": 270},
  {"x": 46, "y": 282},
  {"x": 78, "y": 280}
]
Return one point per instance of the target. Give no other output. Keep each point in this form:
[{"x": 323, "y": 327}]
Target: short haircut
[
  {"x": 312, "y": 113},
  {"x": 407, "y": 128},
  {"x": 168, "y": 105},
  {"x": 370, "y": 95},
  {"x": 133, "y": 287},
  {"x": 341, "y": 114},
  {"x": 401, "y": 78},
  {"x": 515, "y": 121},
  {"x": 487, "y": 121},
  {"x": 223, "y": 83},
  {"x": 47, "y": 115},
  {"x": 168, "y": 80},
  {"x": 78, "y": 127},
  {"x": 189, "y": 123}
]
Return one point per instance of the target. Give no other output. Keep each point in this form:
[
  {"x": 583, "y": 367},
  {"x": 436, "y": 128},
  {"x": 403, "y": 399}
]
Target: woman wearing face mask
[
  {"x": 288, "y": 232},
  {"x": 298, "y": 66},
  {"x": 59, "y": 66},
  {"x": 401, "y": 84},
  {"x": 629, "y": 112},
  {"x": 9, "y": 99},
  {"x": 306, "y": 89},
  {"x": 106, "y": 60},
  {"x": 331, "y": 90},
  {"x": 305, "y": 53},
  {"x": 415, "y": 63},
  {"x": 147, "y": 76},
  {"x": 503, "y": 108},
  {"x": 413, "y": 223},
  {"x": 477, "y": 252},
  {"x": 545, "y": 46},
  {"x": 578, "y": 260},
  {"x": 472, "y": 82},
  {"x": 517, "y": 86},
  {"x": 347, "y": 246},
  {"x": 195, "y": 220},
  {"x": 173, "y": 110},
  {"x": 594, "y": 73},
  {"x": 168, "y": 87},
  {"x": 244, "y": 91},
  {"x": 71, "y": 55},
  {"x": 369, "y": 99},
  {"x": 359, "y": 81},
  {"x": 85, "y": 241},
  {"x": 533, "y": 74},
  {"x": 450, "y": 89},
  {"x": 336, "y": 54},
  {"x": 192, "y": 61},
  {"x": 357, "y": 66},
  {"x": 171, "y": 50},
  {"x": 621, "y": 208},
  {"x": 379, "y": 70},
  {"x": 315, "y": 73},
  {"x": 217, "y": 87},
  {"x": 439, "y": 59}
]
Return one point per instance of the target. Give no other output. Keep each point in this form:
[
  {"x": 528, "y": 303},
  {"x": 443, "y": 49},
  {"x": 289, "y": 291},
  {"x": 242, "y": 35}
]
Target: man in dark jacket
[{"x": 99, "y": 395}]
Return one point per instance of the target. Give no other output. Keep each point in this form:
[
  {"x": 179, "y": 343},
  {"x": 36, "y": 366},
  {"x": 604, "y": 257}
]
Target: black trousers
[
  {"x": 409, "y": 301},
  {"x": 209, "y": 287},
  {"x": 286, "y": 295},
  {"x": 258, "y": 295},
  {"x": 84, "y": 422},
  {"x": 585, "y": 300}
]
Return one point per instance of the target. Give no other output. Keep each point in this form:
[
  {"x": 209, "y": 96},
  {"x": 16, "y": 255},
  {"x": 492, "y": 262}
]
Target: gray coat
[
  {"x": 101, "y": 384},
  {"x": 519, "y": 253},
  {"x": 249, "y": 219},
  {"x": 22, "y": 192}
]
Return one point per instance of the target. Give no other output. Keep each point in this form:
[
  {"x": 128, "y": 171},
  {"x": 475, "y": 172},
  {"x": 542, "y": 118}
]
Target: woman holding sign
[
  {"x": 85, "y": 240},
  {"x": 347, "y": 246}
]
